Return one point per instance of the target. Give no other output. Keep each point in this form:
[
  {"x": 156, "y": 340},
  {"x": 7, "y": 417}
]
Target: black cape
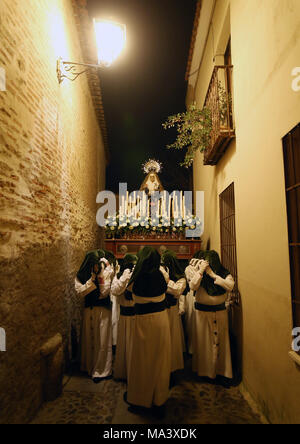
[
  {"x": 147, "y": 279},
  {"x": 215, "y": 264},
  {"x": 84, "y": 274}
]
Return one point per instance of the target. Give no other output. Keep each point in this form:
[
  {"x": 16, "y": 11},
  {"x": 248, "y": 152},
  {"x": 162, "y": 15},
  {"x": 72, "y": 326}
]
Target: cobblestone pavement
[
  {"x": 82, "y": 402},
  {"x": 191, "y": 402}
]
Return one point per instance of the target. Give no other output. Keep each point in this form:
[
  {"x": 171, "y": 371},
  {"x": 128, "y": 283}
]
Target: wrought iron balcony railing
[{"x": 219, "y": 101}]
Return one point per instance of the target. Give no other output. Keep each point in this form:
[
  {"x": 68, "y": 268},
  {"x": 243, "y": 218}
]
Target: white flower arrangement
[{"x": 143, "y": 226}]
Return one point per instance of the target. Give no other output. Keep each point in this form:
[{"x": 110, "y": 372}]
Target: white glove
[
  {"x": 194, "y": 262},
  {"x": 105, "y": 261},
  {"x": 165, "y": 274},
  {"x": 108, "y": 272},
  {"x": 127, "y": 274},
  {"x": 202, "y": 266},
  {"x": 190, "y": 272}
]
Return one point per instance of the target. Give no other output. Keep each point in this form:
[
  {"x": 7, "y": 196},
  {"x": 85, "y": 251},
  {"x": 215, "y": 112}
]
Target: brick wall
[{"x": 52, "y": 164}]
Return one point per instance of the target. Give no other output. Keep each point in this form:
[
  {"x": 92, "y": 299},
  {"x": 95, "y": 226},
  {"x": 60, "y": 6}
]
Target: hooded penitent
[
  {"x": 84, "y": 274},
  {"x": 129, "y": 261},
  {"x": 147, "y": 279},
  {"x": 169, "y": 260},
  {"x": 110, "y": 257},
  {"x": 215, "y": 264},
  {"x": 92, "y": 258}
]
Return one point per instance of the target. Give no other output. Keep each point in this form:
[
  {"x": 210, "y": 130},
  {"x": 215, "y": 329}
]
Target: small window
[
  {"x": 291, "y": 153},
  {"x": 228, "y": 236}
]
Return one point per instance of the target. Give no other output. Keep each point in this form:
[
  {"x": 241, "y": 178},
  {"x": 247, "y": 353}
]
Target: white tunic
[
  {"x": 189, "y": 312},
  {"x": 125, "y": 326},
  {"x": 211, "y": 344},
  {"x": 150, "y": 365},
  {"x": 96, "y": 340},
  {"x": 115, "y": 315},
  {"x": 176, "y": 289}
]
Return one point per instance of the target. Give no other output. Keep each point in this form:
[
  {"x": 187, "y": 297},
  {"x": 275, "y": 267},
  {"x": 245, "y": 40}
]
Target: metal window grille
[
  {"x": 291, "y": 154},
  {"x": 228, "y": 236}
]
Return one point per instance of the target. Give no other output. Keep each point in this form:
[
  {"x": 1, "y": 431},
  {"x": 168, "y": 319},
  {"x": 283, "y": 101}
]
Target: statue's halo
[{"x": 152, "y": 165}]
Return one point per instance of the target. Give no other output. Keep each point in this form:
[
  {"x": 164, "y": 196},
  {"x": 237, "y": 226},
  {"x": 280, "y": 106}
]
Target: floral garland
[{"x": 121, "y": 226}]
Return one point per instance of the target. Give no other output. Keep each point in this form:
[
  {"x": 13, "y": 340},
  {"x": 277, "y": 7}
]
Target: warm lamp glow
[{"x": 110, "y": 39}]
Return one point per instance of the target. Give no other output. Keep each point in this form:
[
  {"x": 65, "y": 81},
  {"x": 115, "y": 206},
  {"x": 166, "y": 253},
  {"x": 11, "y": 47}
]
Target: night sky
[{"x": 144, "y": 86}]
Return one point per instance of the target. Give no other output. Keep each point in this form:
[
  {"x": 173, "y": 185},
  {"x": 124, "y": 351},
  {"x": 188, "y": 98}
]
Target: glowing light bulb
[{"x": 110, "y": 39}]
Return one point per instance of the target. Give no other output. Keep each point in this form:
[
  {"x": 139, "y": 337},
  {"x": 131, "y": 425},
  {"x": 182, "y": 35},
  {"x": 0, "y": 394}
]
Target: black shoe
[
  {"x": 224, "y": 382},
  {"x": 108, "y": 377},
  {"x": 172, "y": 381},
  {"x": 97, "y": 380},
  {"x": 159, "y": 411},
  {"x": 134, "y": 409},
  {"x": 139, "y": 410}
]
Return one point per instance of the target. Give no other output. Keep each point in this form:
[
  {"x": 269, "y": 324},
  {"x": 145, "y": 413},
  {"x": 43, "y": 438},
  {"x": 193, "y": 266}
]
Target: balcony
[{"x": 219, "y": 101}]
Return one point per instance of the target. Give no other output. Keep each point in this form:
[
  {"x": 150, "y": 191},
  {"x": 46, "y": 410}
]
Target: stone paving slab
[
  {"x": 82, "y": 402},
  {"x": 195, "y": 403},
  {"x": 191, "y": 401}
]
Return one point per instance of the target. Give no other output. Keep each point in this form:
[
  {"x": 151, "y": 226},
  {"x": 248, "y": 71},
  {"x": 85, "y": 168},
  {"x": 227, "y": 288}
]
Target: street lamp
[{"x": 110, "y": 40}]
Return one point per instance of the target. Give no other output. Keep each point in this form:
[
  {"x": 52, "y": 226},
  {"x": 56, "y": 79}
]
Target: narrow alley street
[
  {"x": 190, "y": 402},
  {"x": 149, "y": 212}
]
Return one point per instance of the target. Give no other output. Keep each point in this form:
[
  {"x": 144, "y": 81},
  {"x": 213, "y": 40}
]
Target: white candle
[
  {"x": 181, "y": 204},
  {"x": 126, "y": 203},
  {"x": 122, "y": 205},
  {"x": 144, "y": 204},
  {"x": 165, "y": 203}
]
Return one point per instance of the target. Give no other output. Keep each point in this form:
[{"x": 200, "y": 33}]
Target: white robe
[
  {"x": 188, "y": 305},
  {"x": 189, "y": 312},
  {"x": 115, "y": 315},
  {"x": 96, "y": 340},
  {"x": 176, "y": 289},
  {"x": 211, "y": 343},
  {"x": 150, "y": 365},
  {"x": 125, "y": 326}
]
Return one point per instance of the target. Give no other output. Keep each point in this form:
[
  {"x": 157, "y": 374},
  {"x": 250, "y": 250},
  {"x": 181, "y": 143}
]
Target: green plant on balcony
[
  {"x": 193, "y": 131},
  {"x": 194, "y": 126},
  {"x": 225, "y": 104}
]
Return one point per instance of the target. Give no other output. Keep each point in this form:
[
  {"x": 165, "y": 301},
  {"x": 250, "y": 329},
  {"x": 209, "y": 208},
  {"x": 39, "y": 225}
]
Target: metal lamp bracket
[{"x": 71, "y": 70}]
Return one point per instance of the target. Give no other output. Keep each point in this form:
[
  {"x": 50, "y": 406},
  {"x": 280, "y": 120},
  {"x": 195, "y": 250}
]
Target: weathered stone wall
[{"x": 52, "y": 164}]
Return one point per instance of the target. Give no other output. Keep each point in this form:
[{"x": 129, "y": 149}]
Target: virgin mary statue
[{"x": 152, "y": 182}]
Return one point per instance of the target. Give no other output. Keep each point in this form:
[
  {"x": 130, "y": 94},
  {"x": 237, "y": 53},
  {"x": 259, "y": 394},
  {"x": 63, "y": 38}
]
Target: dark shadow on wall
[{"x": 236, "y": 340}]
